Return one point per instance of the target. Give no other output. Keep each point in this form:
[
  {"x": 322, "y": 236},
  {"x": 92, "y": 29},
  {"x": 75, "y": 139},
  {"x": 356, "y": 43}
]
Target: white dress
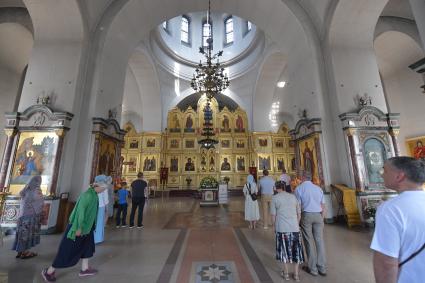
[{"x": 252, "y": 212}]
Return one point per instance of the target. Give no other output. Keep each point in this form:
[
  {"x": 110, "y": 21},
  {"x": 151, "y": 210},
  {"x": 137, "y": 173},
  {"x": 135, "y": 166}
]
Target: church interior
[{"x": 198, "y": 95}]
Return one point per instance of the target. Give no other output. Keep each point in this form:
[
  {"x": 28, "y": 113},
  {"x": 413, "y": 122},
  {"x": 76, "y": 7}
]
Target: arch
[
  {"x": 57, "y": 52},
  {"x": 286, "y": 15},
  {"x": 352, "y": 23},
  {"x": 148, "y": 102},
  {"x": 16, "y": 43},
  {"x": 16, "y": 15},
  {"x": 402, "y": 25},
  {"x": 395, "y": 51},
  {"x": 270, "y": 72}
]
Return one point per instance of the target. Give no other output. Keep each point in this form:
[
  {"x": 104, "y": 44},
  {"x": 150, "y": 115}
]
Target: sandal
[
  {"x": 19, "y": 255},
  {"x": 296, "y": 277},
  {"x": 285, "y": 275},
  {"x": 28, "y": 255}
]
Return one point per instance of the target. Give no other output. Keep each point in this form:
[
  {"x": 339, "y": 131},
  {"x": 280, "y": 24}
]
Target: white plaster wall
[
  {"x": 148, "y": 85},
  {"x": 356, "y": 73},
  {"x": 53, "y": 70},
  {"x": 15, "y": 49},
  {"x": 9, "y": 85},
  {"x": 132, "y": 102},
  {"x": 405, "y": 97}
]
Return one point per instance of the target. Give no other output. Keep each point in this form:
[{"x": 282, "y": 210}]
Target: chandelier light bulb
[{"x": 281, "y": 84}]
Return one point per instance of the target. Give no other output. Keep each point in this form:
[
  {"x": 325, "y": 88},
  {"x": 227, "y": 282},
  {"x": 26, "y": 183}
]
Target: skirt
[
  {"x": 70, "y": 251},
  {"x": 27, "y": 233},
  {"x": 289, "y": 248}
]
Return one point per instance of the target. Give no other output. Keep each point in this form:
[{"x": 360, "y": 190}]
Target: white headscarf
[
  {"x": 250, "y": 180},
  {"x": 102, "y": 181}
]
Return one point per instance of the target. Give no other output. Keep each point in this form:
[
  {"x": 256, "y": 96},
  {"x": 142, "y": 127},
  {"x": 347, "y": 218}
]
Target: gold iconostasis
[{"x": 177, "y": 148}]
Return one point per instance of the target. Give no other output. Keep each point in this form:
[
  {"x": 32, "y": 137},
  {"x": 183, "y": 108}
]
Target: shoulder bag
[
  {"x": 253, "y": 196},
  {"x": 411, "y": 256}
]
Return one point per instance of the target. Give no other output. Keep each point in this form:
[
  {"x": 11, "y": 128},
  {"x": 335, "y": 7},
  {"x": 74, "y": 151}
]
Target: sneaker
[
  {"x": 118, "y": 226},
  {"x": 88, "y": 272},
  {"x": 123, "y": 226},
  {"x": 131, "y": 227},
  {"x": 140, "y": 227},
  {"x": 265, "y": 227},
  {"x": 308, "y": 270},
  {"x": 48, "y": 277},
  {"x": 322, "y": 273}
]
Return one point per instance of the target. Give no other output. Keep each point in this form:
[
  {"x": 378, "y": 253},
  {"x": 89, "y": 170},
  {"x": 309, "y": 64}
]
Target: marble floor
[{"x": 182, "y": 242}]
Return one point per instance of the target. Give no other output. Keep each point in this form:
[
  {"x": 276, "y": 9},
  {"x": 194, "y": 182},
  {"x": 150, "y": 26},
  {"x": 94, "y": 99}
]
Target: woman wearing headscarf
[
  {"x": 78, "y": 241},
  {"x": 29, "y": 221},
  {"x": 252, "y": 212},
  {"x": 102, "y": 217}
]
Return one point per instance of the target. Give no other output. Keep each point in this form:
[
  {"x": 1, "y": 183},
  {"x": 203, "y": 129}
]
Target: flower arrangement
[
  {"x": 369, "y": 212},
  {"x": 209, "y": 182}
]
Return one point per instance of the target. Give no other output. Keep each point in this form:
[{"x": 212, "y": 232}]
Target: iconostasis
[{"x": 177, "y": 148}]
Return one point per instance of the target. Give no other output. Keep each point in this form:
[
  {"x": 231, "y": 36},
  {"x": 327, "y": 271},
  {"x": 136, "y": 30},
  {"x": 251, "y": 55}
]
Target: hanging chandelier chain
[{"x": 209, "y": 78}]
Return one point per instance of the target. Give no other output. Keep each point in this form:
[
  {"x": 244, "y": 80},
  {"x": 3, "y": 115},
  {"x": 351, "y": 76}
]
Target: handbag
[{"x": 253, "y": 196}]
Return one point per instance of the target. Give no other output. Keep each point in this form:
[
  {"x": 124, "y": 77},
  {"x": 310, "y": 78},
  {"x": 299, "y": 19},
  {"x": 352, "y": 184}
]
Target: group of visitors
[
  {"x": 86, "y": 222},
  {"x": 398, "y": 241},
  {"x": 399, "y": 237},
  {"x": 287, "y": 212}
]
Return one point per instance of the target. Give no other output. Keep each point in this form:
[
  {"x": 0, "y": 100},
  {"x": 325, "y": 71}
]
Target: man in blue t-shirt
[
  {"x": 122, "y": 195},
  {"x": 138, "y": 198}
]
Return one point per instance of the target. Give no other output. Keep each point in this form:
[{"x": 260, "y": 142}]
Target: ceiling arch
[
  {"x": 135, "y": 19},
  {"x": 390, "y": 23},
  {"x": 395, "y": 51},
  {"x": 15, "y": 46},
  {"x": 353, "y": 22}
]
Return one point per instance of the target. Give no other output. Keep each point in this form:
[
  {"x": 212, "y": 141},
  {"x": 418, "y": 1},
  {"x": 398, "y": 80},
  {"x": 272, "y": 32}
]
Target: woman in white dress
[{"x": 252, "y": 212}]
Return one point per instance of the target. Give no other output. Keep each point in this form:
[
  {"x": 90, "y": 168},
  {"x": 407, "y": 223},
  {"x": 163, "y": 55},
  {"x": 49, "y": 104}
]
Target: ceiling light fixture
[
  {"x": 209, "y": 78},
  {"x": 281, "y": 84}
]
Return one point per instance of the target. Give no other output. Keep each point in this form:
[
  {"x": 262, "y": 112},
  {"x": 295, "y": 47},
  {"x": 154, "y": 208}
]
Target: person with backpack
[{"x": 252, "y": 212}]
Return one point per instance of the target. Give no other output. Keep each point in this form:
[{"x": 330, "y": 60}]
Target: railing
[{"x": 346, "y": 198}]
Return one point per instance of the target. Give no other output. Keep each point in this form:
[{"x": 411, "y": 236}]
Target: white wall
[{"x": 405, "y": 97}]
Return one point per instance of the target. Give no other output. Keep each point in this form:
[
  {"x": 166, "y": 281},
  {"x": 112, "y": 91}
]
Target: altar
[
  {"x": 209, "y": 196},
  {"x": 209, "y": 191}
]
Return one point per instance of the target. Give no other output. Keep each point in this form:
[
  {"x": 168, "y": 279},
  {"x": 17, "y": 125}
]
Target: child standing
[{"x": 122, "y": 194}]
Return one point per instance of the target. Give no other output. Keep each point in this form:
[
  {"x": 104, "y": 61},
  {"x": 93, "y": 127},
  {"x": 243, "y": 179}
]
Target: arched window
[
  {"x": 206, "y": 30},
  {"x": 248, "y": 26},
  {"x": 185, "y": 30},
  {"x": 228, "y": 30}
]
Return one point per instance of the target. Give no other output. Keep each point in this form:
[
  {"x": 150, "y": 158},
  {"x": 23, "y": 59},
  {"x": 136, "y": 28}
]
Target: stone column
[
  {"x": 394, "y": 138},
  {"x": 61, "y": 137},
  {"x": 10, "y": 137},
  {"x": 357, "y": 182}
]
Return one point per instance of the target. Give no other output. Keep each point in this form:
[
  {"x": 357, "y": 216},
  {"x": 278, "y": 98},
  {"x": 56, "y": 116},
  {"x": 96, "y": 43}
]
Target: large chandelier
[{"x": 209, "y": 77}]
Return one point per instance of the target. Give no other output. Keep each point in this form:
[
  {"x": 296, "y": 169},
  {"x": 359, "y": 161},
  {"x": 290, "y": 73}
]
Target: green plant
[{"x": 209, "y": 182}]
